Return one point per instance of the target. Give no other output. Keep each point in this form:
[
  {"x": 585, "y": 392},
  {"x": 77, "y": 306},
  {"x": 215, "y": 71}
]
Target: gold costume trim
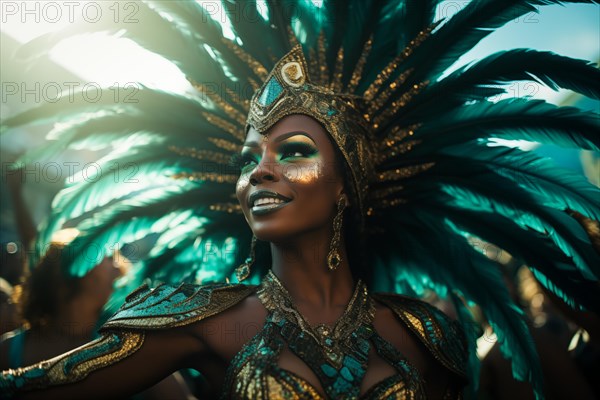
[
  {"x": 74, "y": 365},
  {"x": 442, "y": 337},
  {"x": 167, "y": 306}
]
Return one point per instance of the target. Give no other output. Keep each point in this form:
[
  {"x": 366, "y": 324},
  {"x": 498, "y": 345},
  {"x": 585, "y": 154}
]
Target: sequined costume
[
  {"x": 72, "y": 366},
  {"x": 419, "y": 146},
  {"x": 337, "y": 355}
]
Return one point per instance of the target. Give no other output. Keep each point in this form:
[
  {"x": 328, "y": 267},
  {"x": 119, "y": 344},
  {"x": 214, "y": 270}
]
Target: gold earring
[
  {"x": 243, "y": 270},
  {"x": 334, "y": 258}
]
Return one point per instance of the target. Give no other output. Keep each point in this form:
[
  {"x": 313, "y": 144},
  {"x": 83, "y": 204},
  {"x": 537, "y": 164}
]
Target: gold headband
[{"x": 288, "y": 90}]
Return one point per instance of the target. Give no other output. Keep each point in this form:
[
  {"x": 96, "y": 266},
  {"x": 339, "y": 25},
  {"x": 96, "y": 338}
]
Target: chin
[
  {"x": 271, "y": 232},
  {"x": 286, "y": 224},
  {"x": 280, "y": 232}
]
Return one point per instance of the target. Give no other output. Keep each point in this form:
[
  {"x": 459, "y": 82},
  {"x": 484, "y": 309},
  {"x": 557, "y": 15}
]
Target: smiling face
[{"x": 289, "y": 183}]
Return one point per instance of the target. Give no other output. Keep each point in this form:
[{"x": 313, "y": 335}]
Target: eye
[
  {"x": 297, "y": 150},
  {"x": 246, "y": 162},
  {"x": 241, "y": 160}
]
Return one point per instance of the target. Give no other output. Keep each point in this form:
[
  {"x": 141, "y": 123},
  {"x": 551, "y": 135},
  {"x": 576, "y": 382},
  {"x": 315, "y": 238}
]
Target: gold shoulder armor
[
  {"x": 443, "y": 337},
  {"x": 169, "y": 306}
]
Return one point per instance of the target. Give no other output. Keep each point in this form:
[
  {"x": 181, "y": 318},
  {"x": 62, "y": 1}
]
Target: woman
[
  {"x": 325, "y": 337},
  {"x": 370, "y": 168}
]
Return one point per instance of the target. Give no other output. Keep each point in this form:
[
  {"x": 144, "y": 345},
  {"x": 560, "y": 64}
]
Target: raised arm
[{"x": 117, "y": 365}]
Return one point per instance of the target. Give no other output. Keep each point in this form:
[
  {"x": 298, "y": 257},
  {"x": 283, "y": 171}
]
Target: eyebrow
[{"x": 280, "y": 138}]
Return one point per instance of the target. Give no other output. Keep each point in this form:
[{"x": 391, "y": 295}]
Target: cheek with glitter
[
  {"x": 304, "y": 174},
  {"x": 242, "y": 184}
]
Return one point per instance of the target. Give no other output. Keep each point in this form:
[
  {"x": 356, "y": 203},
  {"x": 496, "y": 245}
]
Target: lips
[
  {"x": 265, "y": 195},
  {"x": 264, "y": 201}
]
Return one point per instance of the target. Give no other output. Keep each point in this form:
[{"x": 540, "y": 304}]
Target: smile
[
  {"x": 266, "y": 201},
  {"x": 267, "y": 205}
]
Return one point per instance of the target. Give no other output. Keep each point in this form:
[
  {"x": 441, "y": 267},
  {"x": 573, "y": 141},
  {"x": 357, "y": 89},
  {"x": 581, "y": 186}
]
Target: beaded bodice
[{"x": 337, "y": 355}]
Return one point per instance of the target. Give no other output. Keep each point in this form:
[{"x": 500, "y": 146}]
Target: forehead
[{"x": 293, "y": 123}]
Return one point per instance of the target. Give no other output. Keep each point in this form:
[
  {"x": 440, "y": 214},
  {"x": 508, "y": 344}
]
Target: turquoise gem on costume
[
  {"x": 343, "y": 387},
  {"x": 328, "y": 370},
  {"x": 242, "y": 271},
  {"x": 364, "y": 346},
  {"x": 271, "y": 91},
  {"x": 345, "y": 372},
  {"x": 331, "y": 112},
  {"x": 353, "y": 365}
]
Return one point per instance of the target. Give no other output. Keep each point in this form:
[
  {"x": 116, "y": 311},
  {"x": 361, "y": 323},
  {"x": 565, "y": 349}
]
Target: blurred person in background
[
  {"x": 8, "y": 310},
  {"x": 48, "y": 313},
  {"x": 552, "y": 329},
  {"x": 58, "y": 313}
]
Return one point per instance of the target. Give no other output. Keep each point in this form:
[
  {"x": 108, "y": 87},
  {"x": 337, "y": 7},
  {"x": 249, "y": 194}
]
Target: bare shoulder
[
  {"x": 227, "y": 331},
  {"x": 211, "y": 314}
]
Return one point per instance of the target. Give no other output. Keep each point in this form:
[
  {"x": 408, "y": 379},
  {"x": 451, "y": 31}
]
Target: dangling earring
[
  {"x": 334, "y": 258},
  {"x": 243, "y": 270}
]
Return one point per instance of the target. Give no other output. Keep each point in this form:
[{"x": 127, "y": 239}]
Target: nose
[{"x": 264, "y": 171}]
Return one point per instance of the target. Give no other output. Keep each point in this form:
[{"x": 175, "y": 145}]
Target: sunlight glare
[
  {"x": 128, "y": 62},
  {"x": 524, "y": 145}
]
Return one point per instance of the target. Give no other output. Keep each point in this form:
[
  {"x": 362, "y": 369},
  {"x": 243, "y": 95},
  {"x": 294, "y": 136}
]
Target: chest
[{"x": 286, "y": 361}]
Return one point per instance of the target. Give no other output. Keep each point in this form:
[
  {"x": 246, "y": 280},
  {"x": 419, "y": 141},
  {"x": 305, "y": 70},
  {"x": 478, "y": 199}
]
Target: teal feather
[
  {"x": 111, "y": 229},
  {"x": 455, "y": 264},
  {"x": 479, "y": 80},
  {"x": 86, "y": 195},
  {"x": 467, "y": 28},
  {"x": 472, "y": 333},
  {"x": 546, "y": 68},
  {"x": 65, "y": 111},
  {"x": 548, "y": 184},
  {"x": 532, "y": 248},
  {"x": 566, "y": 233},
  {"x": 532, "y": 120}
]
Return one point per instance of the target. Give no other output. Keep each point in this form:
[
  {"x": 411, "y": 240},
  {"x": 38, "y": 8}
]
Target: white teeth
[{"x": 267, "y": 200}]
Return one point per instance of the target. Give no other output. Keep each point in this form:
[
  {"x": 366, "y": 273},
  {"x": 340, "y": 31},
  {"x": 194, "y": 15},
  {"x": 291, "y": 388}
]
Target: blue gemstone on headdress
[{"x": 270, "y": 92}]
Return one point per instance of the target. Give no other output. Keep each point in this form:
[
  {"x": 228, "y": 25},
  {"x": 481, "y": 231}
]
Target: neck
[{"x": 301, "y": 266}]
